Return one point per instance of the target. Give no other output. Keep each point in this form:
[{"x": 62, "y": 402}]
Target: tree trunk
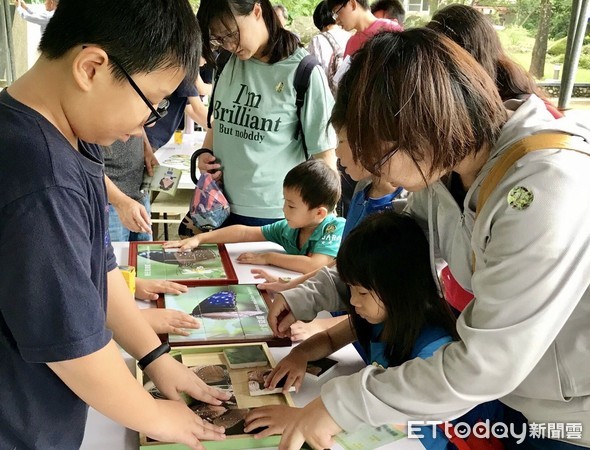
[{"x": 540, "y": 48}]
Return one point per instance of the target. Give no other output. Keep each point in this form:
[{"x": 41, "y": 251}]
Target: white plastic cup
[{"x": 189, "y": 125}]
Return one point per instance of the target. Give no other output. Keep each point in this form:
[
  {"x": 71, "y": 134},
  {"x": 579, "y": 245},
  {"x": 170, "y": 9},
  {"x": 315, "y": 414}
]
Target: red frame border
[{"x": 228, "y": 267}]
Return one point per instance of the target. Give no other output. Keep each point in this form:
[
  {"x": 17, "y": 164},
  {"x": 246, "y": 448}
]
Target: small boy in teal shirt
[{"x": 309, "y": 233}]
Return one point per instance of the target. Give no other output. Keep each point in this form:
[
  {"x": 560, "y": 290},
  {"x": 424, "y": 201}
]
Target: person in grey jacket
[{"x": 525, "y": 338}]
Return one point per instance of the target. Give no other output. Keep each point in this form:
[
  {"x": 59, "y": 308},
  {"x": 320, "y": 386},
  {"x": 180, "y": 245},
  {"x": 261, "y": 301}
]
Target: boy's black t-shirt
[{"x": 55, "y": 256}]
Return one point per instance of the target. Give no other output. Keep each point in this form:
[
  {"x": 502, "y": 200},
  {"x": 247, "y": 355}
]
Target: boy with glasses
[
  {"x": 64, "y": 299},
  {"x": 356, "y": 15}
]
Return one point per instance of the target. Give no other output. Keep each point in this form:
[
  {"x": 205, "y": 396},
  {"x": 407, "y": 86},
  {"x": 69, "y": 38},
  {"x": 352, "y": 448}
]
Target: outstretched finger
[
  {"x": 169, "y": 287},
  {"x": 172, "y": 244},
  {"x": 200, "y": 391},
  {"x": 208, "y": 431},
  {"x": 178, "y": 331},
  {"x": 285, "y": 322}
]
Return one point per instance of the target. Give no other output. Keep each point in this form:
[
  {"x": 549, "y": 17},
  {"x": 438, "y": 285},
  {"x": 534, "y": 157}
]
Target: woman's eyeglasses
[
  {"x": 335, "y": 13},
  {"x": 222, "y": 41},
  {"x": 156, "y": 113}
]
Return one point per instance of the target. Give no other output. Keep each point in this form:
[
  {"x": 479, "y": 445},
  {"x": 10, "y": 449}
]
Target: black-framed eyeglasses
[
  {"x": 156, "y": 113},
  {"x": 227, "y": 39},
  {"x": 335, "y": 13}
]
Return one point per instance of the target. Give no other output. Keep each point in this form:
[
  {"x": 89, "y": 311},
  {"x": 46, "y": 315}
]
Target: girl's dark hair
[
  {"x": 317, "y": 183},
  {"x": 388, "y": 254},
  {"x": 142, "y": 35},
  {"x": 474, "y": 32},
  {"x": 281, "y": 43},
  {"x": 322, "y": 16},
  {"x": 419, "y": 93}
]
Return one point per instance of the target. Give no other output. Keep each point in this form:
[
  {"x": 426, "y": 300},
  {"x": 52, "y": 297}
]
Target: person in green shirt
[
  {"x": 253, "y": 141},
  {"x": 310, "y": 234}
]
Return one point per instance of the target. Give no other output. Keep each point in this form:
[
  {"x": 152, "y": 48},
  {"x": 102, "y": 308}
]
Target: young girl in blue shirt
[{"x": 395, "y": 312}]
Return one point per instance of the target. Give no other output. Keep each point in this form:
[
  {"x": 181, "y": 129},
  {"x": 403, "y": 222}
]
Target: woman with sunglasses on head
[
  {"x": 524, "y": 253},
  {"x": 251, "y": 144}
]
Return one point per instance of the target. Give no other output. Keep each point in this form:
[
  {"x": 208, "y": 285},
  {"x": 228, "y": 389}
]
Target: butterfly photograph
[{"x": 233, "y": 313}]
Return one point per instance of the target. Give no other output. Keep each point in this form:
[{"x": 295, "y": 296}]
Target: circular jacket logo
[{"x": 520, "y": 198}]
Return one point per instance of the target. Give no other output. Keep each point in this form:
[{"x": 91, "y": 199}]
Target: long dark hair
[
  {"x": 281, "y": 43},
  {"x": 388, "y": 254},
  {"x": 475, "y": 33}
]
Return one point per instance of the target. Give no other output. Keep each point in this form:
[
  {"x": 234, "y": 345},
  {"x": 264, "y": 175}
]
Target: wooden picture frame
[
  {"x": 224, "y": 320},
  {"x": 207, "y": 265},
  {"x": 210, "y": 356}
]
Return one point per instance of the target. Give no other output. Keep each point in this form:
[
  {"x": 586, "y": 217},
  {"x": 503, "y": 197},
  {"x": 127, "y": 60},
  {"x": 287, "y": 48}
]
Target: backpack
[
  {"x": 300, "y": 83},
  {"x": 335, "y": 61}
]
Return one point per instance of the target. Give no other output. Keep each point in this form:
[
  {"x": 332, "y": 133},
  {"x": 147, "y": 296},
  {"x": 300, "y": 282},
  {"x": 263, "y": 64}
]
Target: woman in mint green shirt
[{"x": 254, "y": 114}]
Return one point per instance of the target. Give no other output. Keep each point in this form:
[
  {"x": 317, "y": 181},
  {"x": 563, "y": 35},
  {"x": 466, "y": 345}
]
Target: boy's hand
[
  {"x": 275, "y": 418},
  {"x": 177, "y": 423},
  {"x": 272, "y": 282},
  {"x": 185, "y": 244},
  {"x": 172, "y": 377},
  {"x": 300, "y": 331},
  {"x": 311, "y": 424},
  {"x": 150, "y": 162},
  {"x": 254, "y": 258},
  {"x": 292, "y": 367},
  {"x": 134, "y": 216},
  {"x": 280, "y": 318},
  {"x": 151, "y": 289},
  {"x": 170, "y": 321},
  {"x": 207, "y": 163},
  {"x": 263, "y": 274}
]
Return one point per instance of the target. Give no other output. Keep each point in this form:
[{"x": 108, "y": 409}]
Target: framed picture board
[
  {"x": 210, "y": 364},
  {"x": 207, "y": 265},
  {"x": 227, "y": 314}
]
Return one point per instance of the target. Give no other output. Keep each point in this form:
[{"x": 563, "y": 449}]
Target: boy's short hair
[
  {"x": 322, "y": 16},
  {"x": 393, "y": 9},
  {"x": 142, "y": 35},
  {"x": 317, "y": 183},
  {"x": 334, "y": 3}
]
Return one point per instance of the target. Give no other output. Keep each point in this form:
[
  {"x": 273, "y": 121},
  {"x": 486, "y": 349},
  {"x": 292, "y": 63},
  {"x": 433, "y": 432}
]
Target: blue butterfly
[{"x": 223, "y": 301}]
